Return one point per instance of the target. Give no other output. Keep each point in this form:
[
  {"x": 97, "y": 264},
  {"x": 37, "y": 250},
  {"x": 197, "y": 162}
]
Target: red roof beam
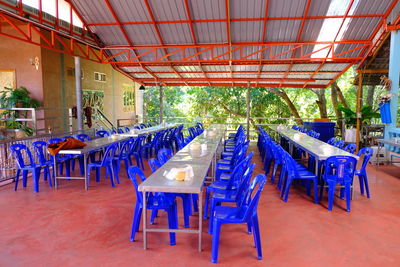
[
  {"x": 232, "y": 20},
  {"x": 237, "y": 84}
]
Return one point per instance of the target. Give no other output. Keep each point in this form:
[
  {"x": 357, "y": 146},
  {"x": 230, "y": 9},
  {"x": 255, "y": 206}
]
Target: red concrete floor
[{"x": 72, "y": 227}]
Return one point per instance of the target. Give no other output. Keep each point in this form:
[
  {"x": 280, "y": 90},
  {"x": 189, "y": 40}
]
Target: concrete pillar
[
  {"x": 394, "y": 76},
  {"x": 78, "y": 90},
  {"x": 248, "y": 110},
  {"x": 139, "y": 103},
  {"x": 161, "y": 103}
]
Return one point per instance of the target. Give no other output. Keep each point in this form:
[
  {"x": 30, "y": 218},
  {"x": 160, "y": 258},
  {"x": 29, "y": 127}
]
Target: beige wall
[
  {"x": 51, "y": 84},
  {"x": 59, "y": 87},
  {"x": 17, "y": 55}
]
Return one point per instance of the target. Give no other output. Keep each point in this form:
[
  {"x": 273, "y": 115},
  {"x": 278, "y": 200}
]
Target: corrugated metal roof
[{"x": 246, "y": 29}]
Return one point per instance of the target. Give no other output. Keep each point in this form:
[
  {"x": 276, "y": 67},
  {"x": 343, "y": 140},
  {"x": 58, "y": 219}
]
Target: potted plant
[
  {"x": 17, "y": 98},
  {"x": 367, "y": 113}
]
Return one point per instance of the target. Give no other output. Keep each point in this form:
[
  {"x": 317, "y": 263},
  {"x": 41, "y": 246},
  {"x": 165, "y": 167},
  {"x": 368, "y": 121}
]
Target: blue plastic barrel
[
  {"x": 326, "y": 129},
  {"x": 385, "y": 112}
]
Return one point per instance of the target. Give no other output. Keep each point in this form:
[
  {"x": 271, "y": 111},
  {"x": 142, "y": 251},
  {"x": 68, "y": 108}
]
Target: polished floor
[{"x": 72, "y": 227}]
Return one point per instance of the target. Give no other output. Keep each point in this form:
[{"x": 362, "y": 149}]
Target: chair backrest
[
  {"x": 340, "y": 168},
  {"x": 154, "y": 164},
  {"x": 102, "y": 133},
  {"x": 55, "y": 140},
  {"x": 350, "y": 148},
  {"x": 120, "y": 130},
  {"x": 252, "y": 196},
  {"x": 20, "y": 151},
  {"x": 331, "y": 141},
  {"x": 110, "y": 153},
  {"x": 339, "y": 144},
  {"x": 133, "y": 173},
  {"x": 39, "y": 147},
  {"x": 367, "y": 152},
  {"x": 244, "y": 184},
  {"x": 83, "y": 137},
  {"x": 127, "y": 130},
  {"x": 164, "y": 155},
  {"x": 124, "y": 148}
]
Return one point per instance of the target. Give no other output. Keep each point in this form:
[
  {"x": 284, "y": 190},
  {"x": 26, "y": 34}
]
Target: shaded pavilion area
[
  {"x": 72, "y": 227},
  {"x": 295, "y": 44}
]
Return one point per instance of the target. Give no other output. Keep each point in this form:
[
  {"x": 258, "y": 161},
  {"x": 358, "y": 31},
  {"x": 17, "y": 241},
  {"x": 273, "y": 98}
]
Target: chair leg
[
  {"x": 256, "y": 234},
  {"x": 137, "y": 214},
  {"x": 116, "y": 166},
  {"x": 97, "y": 174},
  {"x": 24, "y": 177},
  {"x": 348, "y": 196},
  {"x": 81, "y": 165},
  {"x": 111, "y": 172},
  {"x": 68, "y": 168},
  {"x": 195, "y": 199},
  {"x": 187, "y": 209},
  {"x": 153, "y": 216},
  {"x": 316, "y": 200},
  {"x": 172, "y": 224},
  {"x": 35, "y": 177},
  {"x": 361, "y": 179},
  {"x": 331, "y": 195},
  {"x": 215, "y": 241},
  {"x": 366, "y": 185},
  {"x": 17, "y": 179},
  {"x": 207, "y": 199}
]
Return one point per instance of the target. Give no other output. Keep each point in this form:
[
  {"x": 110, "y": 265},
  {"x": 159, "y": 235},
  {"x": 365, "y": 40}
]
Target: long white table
[
  {"x": 317, "y": 148},
  {"x": 200, "y": 162},
  {"x": 149, "y": 130},
  {"x": 381, "y": 143},
  {"x": 92, "y": 145}
]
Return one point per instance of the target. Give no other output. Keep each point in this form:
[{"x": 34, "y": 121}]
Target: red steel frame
[{"x": 87, "y": 46}]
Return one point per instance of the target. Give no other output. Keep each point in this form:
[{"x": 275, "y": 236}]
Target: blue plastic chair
[
  {"x": 136, "y": 151},
  {"x": 222, "y": 186},
  {"x": 245, "y": 213},
  {"x": 231, "y": 196},
  {"x": 331, "y": 141},
  {"x": 338, "y": 170},
  {"x": 21, "y": 152},
  {"x": 350, "y": 148},
  {"x": 122, "y": 156},
  {"x": 61, "y": 159},
  {"x": 362, "y": 173},
  {"x": 164, "y": 155},
  {"x": 339, "y": 144},
  {"x": 154, "y": 164},
  {"x": 39, "y": 147},
  {"x": 83, "y": 137},
  {"x": 106, "y": 162},
  {"x": 102, "y": 133},
  {"x": 292, "y": 172},
  {"x": 154, "y": 202},
  {"x": 127, "y": 129}
]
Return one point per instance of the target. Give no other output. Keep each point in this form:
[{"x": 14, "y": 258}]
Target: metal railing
[{"x": 7, "y": 163}]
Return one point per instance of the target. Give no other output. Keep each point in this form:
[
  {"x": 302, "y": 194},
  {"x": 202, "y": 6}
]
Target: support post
[
  {"x": 248, "y": 110},
  {"x": 78, "y": 90},
  {"x": 358, "y": 108},
  {"x": 394, "y": 76},
  {"x": 161, "y": 103}
]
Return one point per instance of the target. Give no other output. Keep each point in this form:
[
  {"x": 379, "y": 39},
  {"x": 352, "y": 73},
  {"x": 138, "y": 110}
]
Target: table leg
[
  {"x": 85, "y": 171},
  {"x": 144, "y": 220},
  {"x": 200, "y": 217},
  {"x": 55, "y": 172}
]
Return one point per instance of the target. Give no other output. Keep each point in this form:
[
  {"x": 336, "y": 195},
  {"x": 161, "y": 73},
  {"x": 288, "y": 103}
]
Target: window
[{"x": 99, "y": 77}]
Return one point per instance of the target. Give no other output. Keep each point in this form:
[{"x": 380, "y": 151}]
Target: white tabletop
[
  {"x": 198, "y": 159},
  {"x": 149, "y": 130},
  {"x": 313, "y": 146},
  {"x": 391, "y": 142},
  {"x": 94, "y": 145}
]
